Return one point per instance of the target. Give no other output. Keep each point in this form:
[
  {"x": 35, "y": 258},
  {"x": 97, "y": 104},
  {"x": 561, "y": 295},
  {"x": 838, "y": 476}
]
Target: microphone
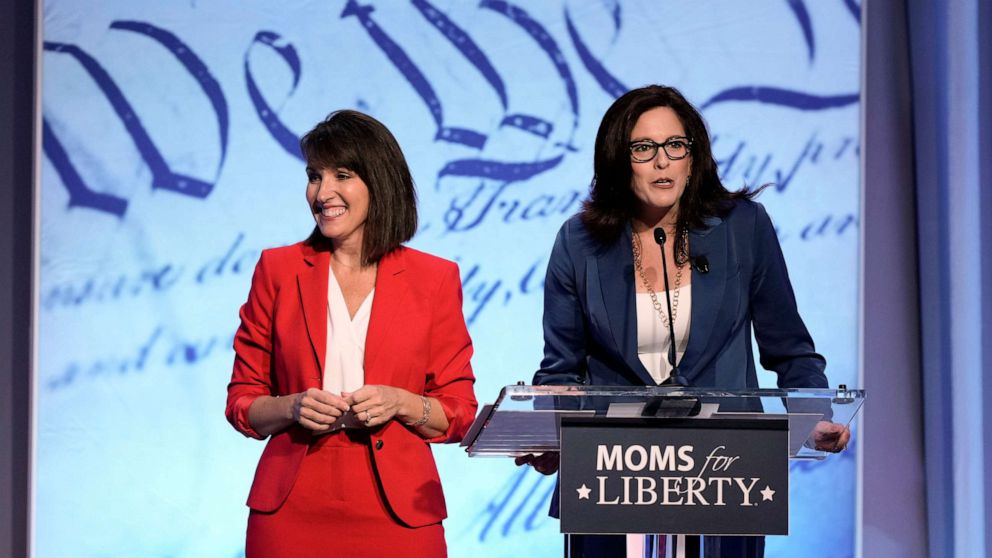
[
  {"x": 675, "y": 378},
  {"x": 702, "y": 264}
]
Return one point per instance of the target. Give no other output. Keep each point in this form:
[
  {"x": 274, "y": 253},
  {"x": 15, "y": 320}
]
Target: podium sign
[{"x": 674, "y": 476}]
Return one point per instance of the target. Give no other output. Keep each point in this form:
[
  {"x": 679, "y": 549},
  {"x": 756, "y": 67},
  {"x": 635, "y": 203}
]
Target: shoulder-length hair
[
  {"x": 611, "y": 203},
  {"x": 363, "y": 145}
]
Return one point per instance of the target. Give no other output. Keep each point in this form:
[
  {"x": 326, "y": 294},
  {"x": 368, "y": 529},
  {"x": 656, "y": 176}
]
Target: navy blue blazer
[{"x": 590, "y": 323}]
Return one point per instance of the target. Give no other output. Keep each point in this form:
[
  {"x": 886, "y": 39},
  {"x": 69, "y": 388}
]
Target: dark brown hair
[
  {"x": 611, "y": 203},
  {"x": 363, "y": 145}
]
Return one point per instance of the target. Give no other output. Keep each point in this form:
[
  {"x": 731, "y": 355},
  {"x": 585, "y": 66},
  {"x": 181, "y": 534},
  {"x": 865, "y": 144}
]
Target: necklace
[{"x": 636, "y": 248}]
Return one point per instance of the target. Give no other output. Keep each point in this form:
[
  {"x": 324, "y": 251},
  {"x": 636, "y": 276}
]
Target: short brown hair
[{"x": 362, "y": 144}]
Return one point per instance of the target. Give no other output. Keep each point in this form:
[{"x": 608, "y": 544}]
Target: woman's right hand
[
  {"x": 316, "y": 409},
  {"x": 544, "y": 463}
]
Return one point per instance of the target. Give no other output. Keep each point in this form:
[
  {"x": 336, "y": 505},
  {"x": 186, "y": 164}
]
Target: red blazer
[{"x": 417, "y": 340}]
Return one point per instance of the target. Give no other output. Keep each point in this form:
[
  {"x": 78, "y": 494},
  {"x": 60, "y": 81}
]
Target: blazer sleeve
[
  {"x": 564, "y": 361},
  {"x": 784, "y": 344},
  {"x": 449, "y": 375},
  {"x": 252, "y": 376}
]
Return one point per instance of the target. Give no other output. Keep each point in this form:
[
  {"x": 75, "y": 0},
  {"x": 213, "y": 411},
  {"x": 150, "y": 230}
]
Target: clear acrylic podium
[{"x": 527, "y": 419}]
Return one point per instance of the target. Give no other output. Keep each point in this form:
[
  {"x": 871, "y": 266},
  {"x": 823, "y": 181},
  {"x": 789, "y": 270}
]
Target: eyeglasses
[{"x": 643, "y": 151}]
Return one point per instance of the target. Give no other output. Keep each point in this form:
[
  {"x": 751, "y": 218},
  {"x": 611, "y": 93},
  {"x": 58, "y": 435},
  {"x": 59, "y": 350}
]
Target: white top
[
  {"x": 653, "y": 339},
  {"x": 344, "y": 361}
]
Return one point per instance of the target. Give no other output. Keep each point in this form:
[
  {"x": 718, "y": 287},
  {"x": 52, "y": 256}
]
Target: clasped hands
[{"x": 375, "y": 405}]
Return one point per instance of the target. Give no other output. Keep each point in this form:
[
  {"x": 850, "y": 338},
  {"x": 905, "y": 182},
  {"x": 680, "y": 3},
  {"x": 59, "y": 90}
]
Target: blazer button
[{"x": 378, "y": 444}]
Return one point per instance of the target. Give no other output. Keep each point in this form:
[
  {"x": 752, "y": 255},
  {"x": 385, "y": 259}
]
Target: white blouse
[
  {"x": 653, "y": 339},
  {"x": 344, "y": 360}
]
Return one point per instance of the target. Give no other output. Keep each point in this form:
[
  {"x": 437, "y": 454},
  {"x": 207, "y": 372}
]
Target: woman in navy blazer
[
  {"x": 654, "y": 169},
  {"x": 590, "y": 328}
]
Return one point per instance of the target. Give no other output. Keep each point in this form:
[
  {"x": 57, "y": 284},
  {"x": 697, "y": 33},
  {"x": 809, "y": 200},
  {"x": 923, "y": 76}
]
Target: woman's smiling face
[{"x": 339, "y": 201}]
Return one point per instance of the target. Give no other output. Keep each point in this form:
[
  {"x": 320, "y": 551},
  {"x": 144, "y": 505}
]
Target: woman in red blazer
[{"x": 352, "y": 355}]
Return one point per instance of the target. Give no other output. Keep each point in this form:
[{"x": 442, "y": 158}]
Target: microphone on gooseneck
[{"x": 675, "y": 378}]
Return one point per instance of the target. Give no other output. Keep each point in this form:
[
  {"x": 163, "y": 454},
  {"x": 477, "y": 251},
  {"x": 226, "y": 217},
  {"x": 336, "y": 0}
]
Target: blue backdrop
[{"x": 170, "y": 160}]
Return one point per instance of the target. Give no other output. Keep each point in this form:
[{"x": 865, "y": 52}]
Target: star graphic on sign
[
  {"x": 583, "y": 492},
  {"x": 767, "y": 493}
]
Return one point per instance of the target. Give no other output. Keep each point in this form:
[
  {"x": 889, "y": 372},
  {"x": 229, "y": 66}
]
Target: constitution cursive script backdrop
[{"x": 170, "y": 160}]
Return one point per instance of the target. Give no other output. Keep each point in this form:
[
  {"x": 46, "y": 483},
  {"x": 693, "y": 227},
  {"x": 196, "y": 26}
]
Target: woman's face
[
  {"x": 659, "y": 182},
  {"x": 339, "y": 201}
]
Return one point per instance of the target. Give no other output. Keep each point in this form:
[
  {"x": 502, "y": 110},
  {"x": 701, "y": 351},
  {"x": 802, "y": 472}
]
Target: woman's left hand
[
  {"x": 830, "y": 436},
  {"x": 377, "y": 405}
]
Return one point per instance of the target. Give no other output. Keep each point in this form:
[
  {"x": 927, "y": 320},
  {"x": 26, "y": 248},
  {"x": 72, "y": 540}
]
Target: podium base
[{"x": 632, "y": 546}]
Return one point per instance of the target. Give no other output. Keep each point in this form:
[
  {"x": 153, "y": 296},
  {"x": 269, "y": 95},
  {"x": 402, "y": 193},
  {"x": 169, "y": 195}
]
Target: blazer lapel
[
  {"x": 390, "y": 293},
  {"x": 312, "y": 282},
  {"x": 616, "y": 281},
  {"x": 707, "y": 290}
]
